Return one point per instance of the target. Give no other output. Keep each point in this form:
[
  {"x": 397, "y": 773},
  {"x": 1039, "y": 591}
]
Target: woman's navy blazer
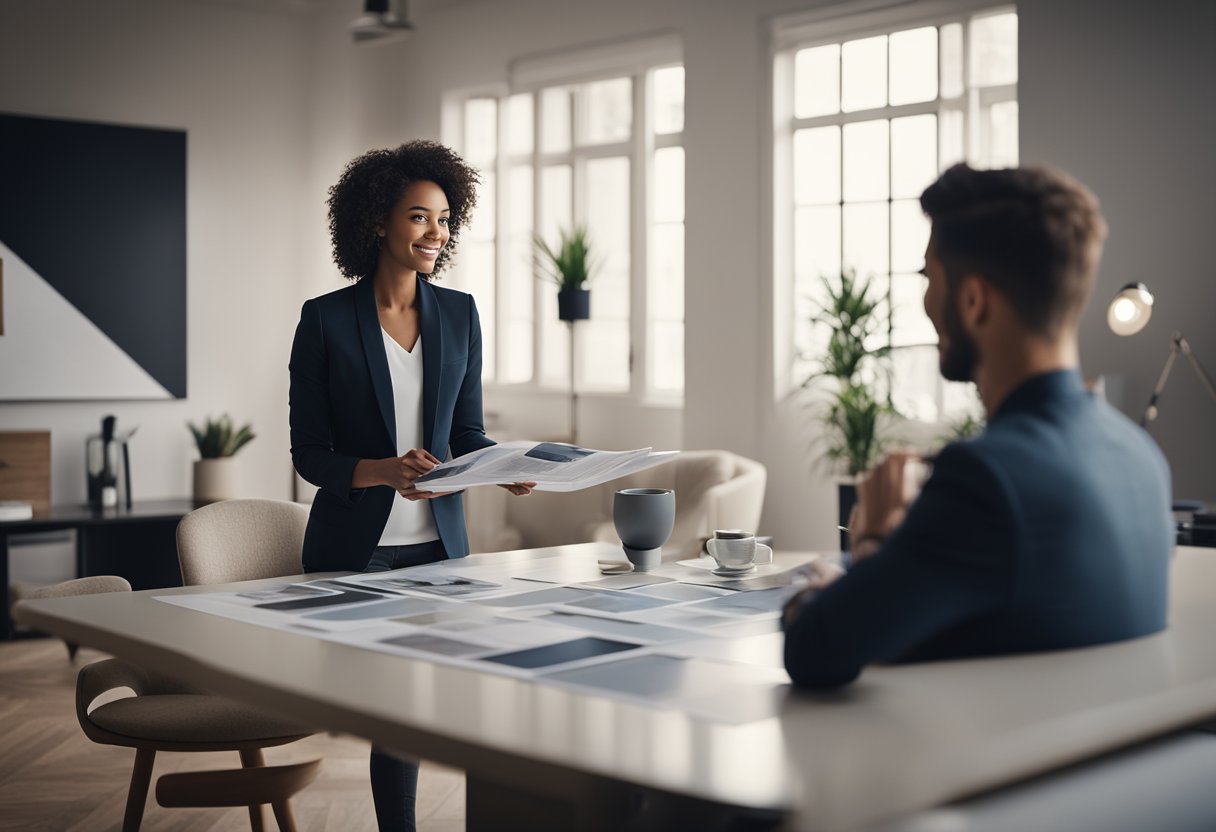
[{"x": 341, "y": 404}]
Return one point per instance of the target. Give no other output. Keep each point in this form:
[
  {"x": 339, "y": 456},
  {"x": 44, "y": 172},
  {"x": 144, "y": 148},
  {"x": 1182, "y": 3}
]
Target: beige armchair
[{"x": 714, "y": 490}]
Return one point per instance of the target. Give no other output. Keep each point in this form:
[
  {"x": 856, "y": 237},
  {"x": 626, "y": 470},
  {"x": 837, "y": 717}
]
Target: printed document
[{"x": 553, "y": 466}]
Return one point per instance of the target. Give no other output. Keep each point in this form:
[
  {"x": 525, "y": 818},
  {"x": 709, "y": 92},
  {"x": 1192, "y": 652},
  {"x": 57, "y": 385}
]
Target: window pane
[
  {"x": 555, "y": 348},
  {"x": 555, "y": 214},
  {"x": 667, "y": 356},
  {"x": 913, "y": 155},
  {"x": 915, "y": 379},
  {"x": 667, "y": 273},
  {"x": 816, "y": 243},
  {"x": 517, "y": 353},
  {"x": 952, "y": 60},
  {"x": 909, "y": 323},
  {"x": 866, "y": 161},
  {"x": 817, "y": 166},
  {"x": 994, "y": 50},
  {"x": 865, "y": 238},
  {"x": 999, "y": 135},
  {"x": 669, "y": 99},
  {"x": 951, "y": 146},
  {"x": 480, "y": 131},
  {"x": 519, "y": 124},
  {"x": 609, "y": 115},
  {"x": 608, "y": 213},
  {"x": 603, "y": 354},
  {"x": 521, "y": 284},
  {"x": 555, "y": 199},
  {"x": 555, "y": 120},
  {"x": 481, "y": 224},
  {"x": 669, "y": 184},
  {"x": 914, "y": 65},
  {"x": 960, "y": 398},
  {"x": 477, "y": 266},
  {"x": 864, "y": 74},
  {"x": 909, "y": 235},
  {"x": 817, "y": 81}
]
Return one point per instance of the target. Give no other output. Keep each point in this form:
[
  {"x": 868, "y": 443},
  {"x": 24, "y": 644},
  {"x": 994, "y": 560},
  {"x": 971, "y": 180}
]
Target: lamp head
[{"x": 1130, "y": 310}]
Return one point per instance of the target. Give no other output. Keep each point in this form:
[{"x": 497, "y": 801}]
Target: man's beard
[{"x": 957, "y": 360}]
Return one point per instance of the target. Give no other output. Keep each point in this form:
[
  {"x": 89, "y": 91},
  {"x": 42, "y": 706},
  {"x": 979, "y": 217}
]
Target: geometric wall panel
[{"x": 93, "y": 243}]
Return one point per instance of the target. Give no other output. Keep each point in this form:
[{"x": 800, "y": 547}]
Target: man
[{"x": 1050, "y": 530}]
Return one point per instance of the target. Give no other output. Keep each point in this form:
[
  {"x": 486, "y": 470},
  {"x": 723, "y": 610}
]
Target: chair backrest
[
  {"x": 241, "y": 540},
  {"x": 714, "y": 489}
]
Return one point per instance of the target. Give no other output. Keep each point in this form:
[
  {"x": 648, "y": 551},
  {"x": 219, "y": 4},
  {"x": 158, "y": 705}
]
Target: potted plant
[
  {"x": 216, "y": 473},
  {"x": 569, "y": 265},
  {"x": 858, "y": 373}
]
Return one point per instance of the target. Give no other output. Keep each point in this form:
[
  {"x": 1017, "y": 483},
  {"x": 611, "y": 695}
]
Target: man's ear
[{"x": 974, "y": 300}]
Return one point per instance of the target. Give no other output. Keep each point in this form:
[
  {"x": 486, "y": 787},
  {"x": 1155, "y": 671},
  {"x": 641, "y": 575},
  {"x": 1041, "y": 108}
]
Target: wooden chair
[
  {"x": 230, "y": 541},
  {"x": 165, "y": 715},
  {"x": 94, "y": 585}
]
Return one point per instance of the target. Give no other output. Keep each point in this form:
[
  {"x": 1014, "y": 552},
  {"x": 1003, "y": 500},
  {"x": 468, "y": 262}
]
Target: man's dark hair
[
  {"x": 373, "y": 183},
  {"x": 1035, "y": 233}
]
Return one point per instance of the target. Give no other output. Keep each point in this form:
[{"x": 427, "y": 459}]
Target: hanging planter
[
  {"x": 569, "y": 265},
  {"x": 574, "y": 304}
]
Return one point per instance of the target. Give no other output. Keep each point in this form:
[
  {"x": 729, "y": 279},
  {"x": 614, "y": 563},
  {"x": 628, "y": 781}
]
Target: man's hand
[
  {"x": 519, "y": 489},
  {"x": 882, "y": 502},
  {"x": 812, "y": 577}
]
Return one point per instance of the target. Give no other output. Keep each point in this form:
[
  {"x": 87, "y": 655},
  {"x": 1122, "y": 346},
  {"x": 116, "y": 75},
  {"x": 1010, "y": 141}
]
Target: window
[
  {"x": 606, "y": 153},
  {"x": 866, "y": 117}
]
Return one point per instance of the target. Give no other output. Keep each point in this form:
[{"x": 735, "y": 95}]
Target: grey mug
[{"x": 644, "y": 518}]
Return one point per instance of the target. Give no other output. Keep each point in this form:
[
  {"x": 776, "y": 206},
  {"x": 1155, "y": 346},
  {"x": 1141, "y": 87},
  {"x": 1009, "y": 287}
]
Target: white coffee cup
[{"x": 737, "y": 549}]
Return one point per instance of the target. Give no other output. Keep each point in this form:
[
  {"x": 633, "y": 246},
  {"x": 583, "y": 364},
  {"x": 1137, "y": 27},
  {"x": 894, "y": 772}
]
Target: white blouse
[{"x": 409, "y": 521}]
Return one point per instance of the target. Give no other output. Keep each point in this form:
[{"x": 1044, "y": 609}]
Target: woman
[{"x": 385, "y": 381}]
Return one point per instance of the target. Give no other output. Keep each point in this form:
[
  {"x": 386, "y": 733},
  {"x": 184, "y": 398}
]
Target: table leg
[
  {"x": 82, "y": 552},
  {"x": 7, "y": 622}
]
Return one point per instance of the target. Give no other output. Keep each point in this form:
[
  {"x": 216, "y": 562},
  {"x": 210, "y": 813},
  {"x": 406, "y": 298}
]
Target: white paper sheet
[{"x": 500, "y": 618}]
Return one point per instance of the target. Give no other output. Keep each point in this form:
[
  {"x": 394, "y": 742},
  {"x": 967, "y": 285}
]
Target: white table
[{"x": 900, "y": 740}]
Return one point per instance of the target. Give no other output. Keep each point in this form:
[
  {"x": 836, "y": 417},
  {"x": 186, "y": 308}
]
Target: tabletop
[{"x": 899, "y": 740}]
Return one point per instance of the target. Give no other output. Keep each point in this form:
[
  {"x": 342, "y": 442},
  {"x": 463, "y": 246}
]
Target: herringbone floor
[{"x": 53, "y": 779}]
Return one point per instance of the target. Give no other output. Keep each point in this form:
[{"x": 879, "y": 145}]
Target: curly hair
[{"x": 373, "y": 183}]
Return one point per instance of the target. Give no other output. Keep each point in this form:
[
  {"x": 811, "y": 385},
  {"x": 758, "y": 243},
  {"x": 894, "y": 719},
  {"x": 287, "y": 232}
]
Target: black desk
[{"x": 139, "y": 544}]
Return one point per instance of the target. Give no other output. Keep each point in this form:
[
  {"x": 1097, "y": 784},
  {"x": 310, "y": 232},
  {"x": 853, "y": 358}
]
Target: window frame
[
  {"x": 638, "y": 62},
  {"x": 821, "y": 27}
]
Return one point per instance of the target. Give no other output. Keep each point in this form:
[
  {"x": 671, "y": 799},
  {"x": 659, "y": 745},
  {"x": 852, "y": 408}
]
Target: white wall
[
  {"x": 277, "y": 103},
  {"x": 234, "y": 80},
  {"x": 1118, "y": 92}
]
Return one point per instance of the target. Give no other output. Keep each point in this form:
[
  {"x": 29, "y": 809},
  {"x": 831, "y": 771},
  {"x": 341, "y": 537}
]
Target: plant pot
[
  {"x": 217, "y": 479},
  {"x": 574, "y": 304}
]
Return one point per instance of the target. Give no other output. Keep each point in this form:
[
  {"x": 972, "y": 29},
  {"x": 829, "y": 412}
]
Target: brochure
[{"x": 553, "y": 466}]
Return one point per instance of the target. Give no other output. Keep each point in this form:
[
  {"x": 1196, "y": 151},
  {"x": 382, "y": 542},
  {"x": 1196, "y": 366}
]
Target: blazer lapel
[
  {"x": 430, "y": 323},
  {"x": 373, "y": 349}
]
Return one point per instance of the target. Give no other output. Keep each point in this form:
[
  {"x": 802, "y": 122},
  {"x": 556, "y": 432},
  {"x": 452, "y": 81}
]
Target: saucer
[{"x": 732, "y": 571}]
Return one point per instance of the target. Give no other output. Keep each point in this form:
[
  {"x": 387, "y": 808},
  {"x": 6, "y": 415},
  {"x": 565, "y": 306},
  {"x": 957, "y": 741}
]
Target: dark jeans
[{"x": 395, "y": 781}]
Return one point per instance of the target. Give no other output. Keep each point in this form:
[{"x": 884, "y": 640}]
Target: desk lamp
[{"x": 1128, "y": 313}]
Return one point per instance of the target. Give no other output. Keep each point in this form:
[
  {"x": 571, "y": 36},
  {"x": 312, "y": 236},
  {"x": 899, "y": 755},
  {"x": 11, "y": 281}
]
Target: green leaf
[
  {"x": 570, "y": 265},
  {"x": 218, "y": 439},
  {"x": 850, "y": 311}
]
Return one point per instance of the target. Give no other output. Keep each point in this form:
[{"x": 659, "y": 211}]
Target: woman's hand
[
  {"x": 397, "y": 472},
  {"x": 519, "y": 489}
]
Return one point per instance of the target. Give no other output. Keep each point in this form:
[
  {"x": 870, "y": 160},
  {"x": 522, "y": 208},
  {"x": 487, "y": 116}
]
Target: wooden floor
[{"x": 53, "y": 778}]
